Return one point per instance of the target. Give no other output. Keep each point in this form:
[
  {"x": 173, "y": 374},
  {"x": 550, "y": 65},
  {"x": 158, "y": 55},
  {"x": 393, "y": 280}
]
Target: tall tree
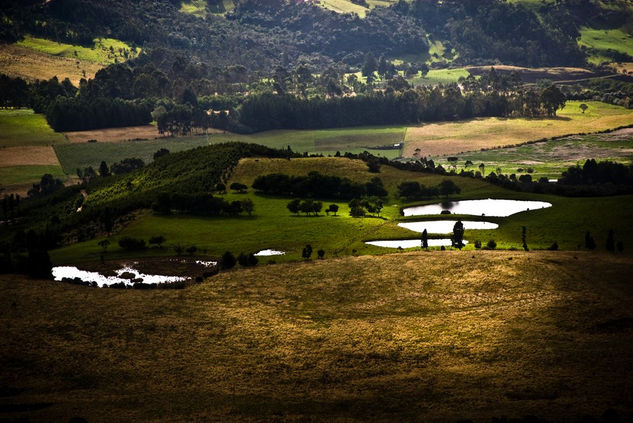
[
  {"x": 425, "y": 239},
  {"x": 457, "y": 239},
  {"x": 369, "y": 65}
]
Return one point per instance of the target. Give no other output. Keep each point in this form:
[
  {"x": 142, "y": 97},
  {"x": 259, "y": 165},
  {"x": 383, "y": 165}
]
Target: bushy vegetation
[{"x": 316, "y": 185}]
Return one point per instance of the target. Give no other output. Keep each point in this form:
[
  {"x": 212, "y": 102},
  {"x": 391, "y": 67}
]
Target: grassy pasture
[
  {"x": 273, "y": 226},
  {"x": 17, "y": 61},
  {"x": 601, "y": 40},
  {"x": 549, "y": 159},
  {"x": 14, "y": 175},
  {"x": 449, "y": 138},
  {"x": 402, "y": 337},
  {"x": 21, "y": 127},
  {"x": 440, "y": 76},
  {"x": 76, "y": 155},
  {"x": 105, "y": 51}
]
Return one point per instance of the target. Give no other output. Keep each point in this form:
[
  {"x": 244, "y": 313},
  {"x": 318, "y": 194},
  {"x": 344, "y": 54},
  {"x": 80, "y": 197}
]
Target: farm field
[
  {"x": 325, "y": 141},
  {"x": 441, "y": 336},
  {"x": 16, "y": 61},
  {"x": 26, "y": 149},
  {"x": 143, "y": 132},
  {"x": 37, "y": 58},
  {"x": 21, "y": 127},
  {"x": 273, "y": 226},
  {"x": 450, "y": 138},
  {"x": 550, "y": 158}
]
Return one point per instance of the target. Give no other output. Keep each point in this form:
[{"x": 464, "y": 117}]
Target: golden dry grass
[
  {"x": 446, "y": 138},
  {"x": 29, "y": 64},
  {"x": 402, "y": 337},
  {"x": 142, "y": 132},
  {"x": 28, "y": 155}
]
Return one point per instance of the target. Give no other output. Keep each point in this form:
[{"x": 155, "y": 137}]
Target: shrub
[
  {"x": 491, "y": 245},
  {"x": 132, "y": 244},
  {"x": 157, "y": 240},
  {"x": 228, "y": 260},
  {"x": 477, "y": 244},
  {"x": 553, "y": 247}
]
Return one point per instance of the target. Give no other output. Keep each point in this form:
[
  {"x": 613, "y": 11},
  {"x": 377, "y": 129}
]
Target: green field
[
  {"x": 434, "y": 337},
  {"x": 20, "y": 127},
  {"x": 104, "y": 51},
  {"x": 440, "y": 76},
  {"x": 273, "y": 226},
  {"x": 14, "y": 175},
  {"x": 73, "y": 156},
  {"x": 549, "y": 159},
  {"x": 601, "y": 40}
]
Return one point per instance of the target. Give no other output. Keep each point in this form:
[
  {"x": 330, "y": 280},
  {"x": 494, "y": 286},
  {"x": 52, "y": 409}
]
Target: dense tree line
[
  {"x": 413, "y": 190},
  {"x": 269, "y": 111},
  {"x": 200, "y": 204},
  {"x": 72, "y": 114},
  {"x": 316, "y": 185}
]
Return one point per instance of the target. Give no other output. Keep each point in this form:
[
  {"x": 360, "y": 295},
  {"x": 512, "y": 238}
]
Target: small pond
[
  {"x": 411, "y": 243},
  {"x": 488, "y": 207},
  {"x": 269, "y": 252},
  {"x": 445, "y": 226},
  {"x": 127, "y": 275}
]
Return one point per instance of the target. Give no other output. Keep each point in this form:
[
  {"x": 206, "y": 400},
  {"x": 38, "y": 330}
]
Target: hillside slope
[{"x": 403, "y": 337}]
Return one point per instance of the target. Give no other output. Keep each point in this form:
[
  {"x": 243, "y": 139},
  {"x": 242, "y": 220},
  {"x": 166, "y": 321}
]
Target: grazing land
[
  {"x": 20, "y": 127},
  {"x": 273, "y": 226},
  {"x": 440, "y": 76},
  {"x": 436, "y": 337},
  {"x": 601, "y": 40},
  {"x": 37, "y": 58},
  {"x": 326, "y": 141},
  {"x": 17, "y": 61},
  {"x": 551, "y": 158},
  {"x": 75, "y": 155},
  {"x": 446, "y": 138},
  {"x": 105, "y": 51}
]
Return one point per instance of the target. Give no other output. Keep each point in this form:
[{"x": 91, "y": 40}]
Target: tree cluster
[{"x": 316, "y": 185}]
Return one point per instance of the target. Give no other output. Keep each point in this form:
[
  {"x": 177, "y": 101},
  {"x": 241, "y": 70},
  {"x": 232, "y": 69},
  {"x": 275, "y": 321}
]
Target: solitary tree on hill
[
  {"x": 583, "y": 107},
  {"x": 425, "y": 239}
]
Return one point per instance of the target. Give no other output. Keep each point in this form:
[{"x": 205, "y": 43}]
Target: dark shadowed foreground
[{"x": 403, "y": 337}]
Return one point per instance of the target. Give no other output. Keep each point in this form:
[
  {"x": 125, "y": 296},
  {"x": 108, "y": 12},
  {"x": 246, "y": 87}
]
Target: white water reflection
[
  {"x": 488, "y": 207},
  {"x": 131, "y": 274},
  {"x": 269, "y": 252},
  {"x": 445, "y": 226},
  {"x": 411, "y": 243}
]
